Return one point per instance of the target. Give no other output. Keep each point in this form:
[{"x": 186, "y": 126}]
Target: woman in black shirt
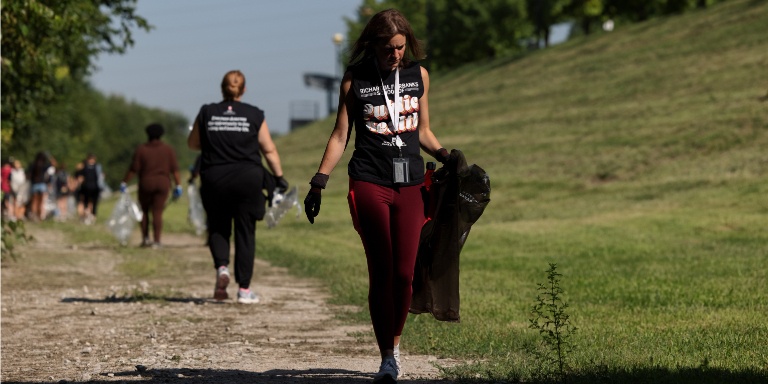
[
  {"x": 386, "y": 170},
  {"x": 232, "y": 137}
]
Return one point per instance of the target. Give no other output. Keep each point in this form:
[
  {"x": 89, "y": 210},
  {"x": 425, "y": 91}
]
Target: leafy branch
[{"x": 14, "y": 233}]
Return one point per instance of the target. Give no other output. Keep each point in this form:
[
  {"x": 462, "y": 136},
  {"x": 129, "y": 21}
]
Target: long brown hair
[
  {"x": 232, "y": 85},
  {"x": 382, "y": 27}
]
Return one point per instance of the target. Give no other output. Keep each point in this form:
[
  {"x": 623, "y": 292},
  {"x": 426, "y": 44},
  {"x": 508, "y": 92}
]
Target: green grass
[{"x": 635, "y": 160}]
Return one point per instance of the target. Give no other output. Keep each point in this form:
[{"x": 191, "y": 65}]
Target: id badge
[{"x": 400, "y": 172}]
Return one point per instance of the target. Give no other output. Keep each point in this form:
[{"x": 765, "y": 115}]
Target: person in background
[
  {"x": 78, "y": 190},
  {"x": 19, "y": 190},
  {"x": 155, "y": 163},
  {"x": 5, "y": 184},
  {"x": 386, "y": 170},
  {"x": 89, "y": 179},
  {"x": 232, "y": 137},
  {"x": 62, "y": 186},
  {"x": 40, "y": 174}
]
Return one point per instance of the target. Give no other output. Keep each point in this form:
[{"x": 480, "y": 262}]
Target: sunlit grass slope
[{"x": 636, "y": 160}]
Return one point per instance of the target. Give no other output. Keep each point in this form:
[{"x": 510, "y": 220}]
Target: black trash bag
[{"x": 458, "y": 198}]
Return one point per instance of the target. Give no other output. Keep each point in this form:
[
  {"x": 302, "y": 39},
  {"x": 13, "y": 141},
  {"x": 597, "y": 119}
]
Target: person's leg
[
  {"x": 43, "y": 201},
  {"x": 219, "y": 221},
  {"x": 407, "y": 220},
  {"x": 36, "y": 203},
  {"x": 91, "y": 199},
  {"x": 245, "y": 242},
  {"x": 95, "y": 205},
  {"x": 19, "y": 208},
  {"x": 370, "y": 209},
  {"x": 80, "y": 203},
  {"x": 158, "y": 206},
  {"x": 61, "y": 203},
  {"x": 145, "y": 202}
]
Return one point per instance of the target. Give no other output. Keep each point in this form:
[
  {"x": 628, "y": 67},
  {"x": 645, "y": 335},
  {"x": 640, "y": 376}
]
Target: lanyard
[{"x": 394, "y": 114}]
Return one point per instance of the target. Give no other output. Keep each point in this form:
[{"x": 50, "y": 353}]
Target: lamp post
[{"x": 338, "y": 39}]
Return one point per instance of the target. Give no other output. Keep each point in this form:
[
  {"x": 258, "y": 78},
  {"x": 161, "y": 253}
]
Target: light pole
[{"x": 338, "y": 39}]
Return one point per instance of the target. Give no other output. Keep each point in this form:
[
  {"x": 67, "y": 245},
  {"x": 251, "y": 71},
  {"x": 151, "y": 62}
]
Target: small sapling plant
[{"x": 553, "y": 323}]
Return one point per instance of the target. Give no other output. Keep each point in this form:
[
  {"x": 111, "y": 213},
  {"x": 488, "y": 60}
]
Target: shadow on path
[
  {"x": 139, "y": 298},
  {"x": 275, "y": 376}
]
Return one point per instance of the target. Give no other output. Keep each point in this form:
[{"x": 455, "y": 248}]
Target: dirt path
[{"x": 69, "y": 315}]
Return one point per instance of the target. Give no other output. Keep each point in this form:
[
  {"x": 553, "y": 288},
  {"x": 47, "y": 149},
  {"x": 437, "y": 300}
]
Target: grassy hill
[{"x": 635, "y": 160}]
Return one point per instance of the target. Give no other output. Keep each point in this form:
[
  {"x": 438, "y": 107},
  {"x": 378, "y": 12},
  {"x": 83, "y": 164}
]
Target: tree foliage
[
  {"x": 462, "y": 31},
  {"x": 85, "y": 121},
  {"x": 543, "y": 14},
  {"x": 48, "y": 47}
]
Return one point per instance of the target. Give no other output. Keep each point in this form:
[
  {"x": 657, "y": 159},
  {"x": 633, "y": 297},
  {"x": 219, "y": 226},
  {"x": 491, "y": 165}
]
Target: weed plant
[
  {"x": 553, "y": 324},
  {"x": 13, "y": 233}
]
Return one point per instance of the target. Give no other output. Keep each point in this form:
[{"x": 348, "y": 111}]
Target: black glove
[
  {"x": 447, "y": 158},
  {"x": 312, "y": 204},
  {"x": 281, "y": 184},
  {"x": 312, "y": 201}
]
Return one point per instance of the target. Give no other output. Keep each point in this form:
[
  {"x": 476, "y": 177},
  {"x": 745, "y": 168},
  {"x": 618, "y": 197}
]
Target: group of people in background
[{"x": 47, "y": 189}]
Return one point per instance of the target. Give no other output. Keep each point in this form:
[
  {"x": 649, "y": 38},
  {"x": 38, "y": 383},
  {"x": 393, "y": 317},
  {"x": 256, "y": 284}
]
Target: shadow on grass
[
  {"x": 275, "y": 376},
  {"x": 702, "y": 375}
]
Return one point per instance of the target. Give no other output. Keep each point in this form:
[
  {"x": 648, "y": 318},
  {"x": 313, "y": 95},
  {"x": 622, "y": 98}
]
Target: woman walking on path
[
  {"x": 63, "y": 185},
  {"x": 90, "y": 179},
  {"x": 19, "y": 190},
  {"x": 232, "y": 137},
  {"x": 6, "y": 187},
  {"x": 384, "y": 95},
  {"x": 40, "y": 174},
  {"x": 155, "y": 163}
]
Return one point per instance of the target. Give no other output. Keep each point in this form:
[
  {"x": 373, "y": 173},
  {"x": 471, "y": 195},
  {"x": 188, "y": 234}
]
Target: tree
[
  {"x": 48, "y": 47},
  {"x": 463, "y": 31},
  {"x": 587, "y": 12},
  {"x": 543, "y": 14}
]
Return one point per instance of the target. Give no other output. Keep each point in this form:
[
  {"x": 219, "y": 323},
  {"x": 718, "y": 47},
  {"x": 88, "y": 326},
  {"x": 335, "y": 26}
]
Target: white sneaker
[
  {"x": 247, "y": 297},
  {"x": 222, "y": 280},
  {"x": 387, "y": 371}
]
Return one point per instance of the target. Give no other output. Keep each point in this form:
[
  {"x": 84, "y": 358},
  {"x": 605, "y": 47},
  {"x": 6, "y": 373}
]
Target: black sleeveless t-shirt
[
  {"x": 229, "y": 134},
  {"x": 374, "y": 138}
]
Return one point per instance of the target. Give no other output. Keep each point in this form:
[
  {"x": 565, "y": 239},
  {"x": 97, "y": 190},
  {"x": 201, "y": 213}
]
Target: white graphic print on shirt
[{"x": 376, "y": 116}]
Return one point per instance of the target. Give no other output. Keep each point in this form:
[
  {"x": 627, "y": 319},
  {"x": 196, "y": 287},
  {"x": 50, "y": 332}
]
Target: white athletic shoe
[
  {"x": 247, "y": 297},
  {"x": 222, "y": 280},
  {"x": 387, "y": 371}
]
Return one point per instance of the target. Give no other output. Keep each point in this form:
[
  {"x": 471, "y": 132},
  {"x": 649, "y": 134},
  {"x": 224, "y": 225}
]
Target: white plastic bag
[
  {"x": 124, "y": 217},
  {"x": 196, "y": 214},
  {"x": 281, "y": 204}
]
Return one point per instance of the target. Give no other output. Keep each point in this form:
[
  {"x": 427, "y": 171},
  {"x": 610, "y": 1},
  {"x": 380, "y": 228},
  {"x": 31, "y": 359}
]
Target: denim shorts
[{"x": 39, "y": 188}]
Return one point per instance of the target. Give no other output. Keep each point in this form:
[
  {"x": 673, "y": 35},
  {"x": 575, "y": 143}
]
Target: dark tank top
[{"x": 374, "y": 135}]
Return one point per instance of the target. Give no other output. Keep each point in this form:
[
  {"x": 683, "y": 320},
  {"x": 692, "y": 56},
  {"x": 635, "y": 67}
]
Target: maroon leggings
[
  {"x": 389, "y": 222},
  {"x": 152, "y": 199}
]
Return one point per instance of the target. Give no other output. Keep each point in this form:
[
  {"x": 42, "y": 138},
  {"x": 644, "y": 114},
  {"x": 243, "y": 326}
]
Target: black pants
[
  {"x": 233, "y": 194},
  {"x": 90, "y": 196}
]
